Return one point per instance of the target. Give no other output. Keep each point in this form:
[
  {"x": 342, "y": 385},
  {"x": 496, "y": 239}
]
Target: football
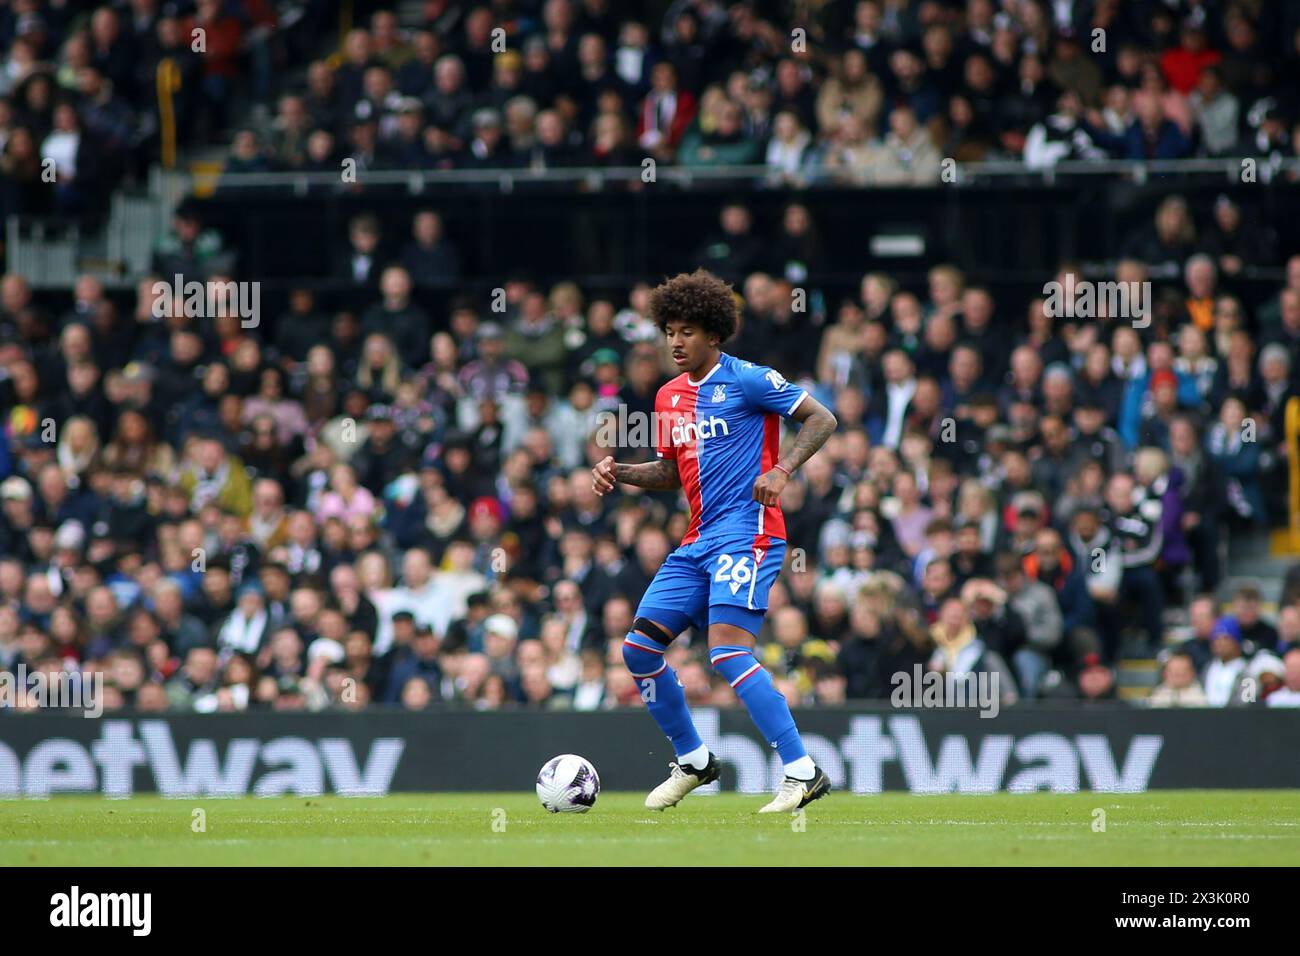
[{"x": 568, "y": 784}]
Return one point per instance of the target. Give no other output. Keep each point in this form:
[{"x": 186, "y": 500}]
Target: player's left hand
[
  {"x": 767, "y": 489},
  {"x": 602, "y": 476}
]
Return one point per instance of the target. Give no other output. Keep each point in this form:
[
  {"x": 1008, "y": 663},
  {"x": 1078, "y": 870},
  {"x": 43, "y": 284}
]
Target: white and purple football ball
[{"x": 568, "y": 784}]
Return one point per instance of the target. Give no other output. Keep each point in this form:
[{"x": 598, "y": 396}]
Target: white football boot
[
  {"x": 681, "y": 781},
  {"x": 794, "y": 794}
]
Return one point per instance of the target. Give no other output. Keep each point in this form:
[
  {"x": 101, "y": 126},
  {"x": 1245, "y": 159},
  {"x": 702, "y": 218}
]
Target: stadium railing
[{"x": 1228, "y": 169}]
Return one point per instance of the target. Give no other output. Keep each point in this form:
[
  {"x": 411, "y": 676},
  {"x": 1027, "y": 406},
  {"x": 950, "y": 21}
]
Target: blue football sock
[
  {"x": 662, "y": 694},
  {"x": 766, "y": 705}
]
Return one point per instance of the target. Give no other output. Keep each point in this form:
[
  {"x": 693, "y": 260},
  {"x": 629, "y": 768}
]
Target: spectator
[
  {"x": 210, "y": 475},
  {"x": 1238, "y": 460},
  {"x": 1037, "y": 606},
  {"x": 959, "y": 653},
  {"x": 405, "y": 323},
  {"x": 430, "y": 258},
  {"x": 722, "y": 141},
  {"x": 1217, "y": 113},
  {"x": 1178, "y": 685},
  {"x": 1246, "y": 608},
  {"x": 851, "y": 92},
  {"x": 1288, "y": 695},
  {"x": 665, "y": 113},
  {"x": 735, "y": 250},
  {"x": 245, "y": 628},
  {"x": 1226, "y": 665},
  {"x": 906, "y": 154},
  {"x": 789, "y": 150}
]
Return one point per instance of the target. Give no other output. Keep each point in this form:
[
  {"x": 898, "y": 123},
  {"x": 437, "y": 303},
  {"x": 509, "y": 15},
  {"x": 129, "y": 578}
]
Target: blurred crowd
[
  {"x": 90, "y": 90},
  {"x": 872, "y": 91},
  {"x": 340, "y": 508}
]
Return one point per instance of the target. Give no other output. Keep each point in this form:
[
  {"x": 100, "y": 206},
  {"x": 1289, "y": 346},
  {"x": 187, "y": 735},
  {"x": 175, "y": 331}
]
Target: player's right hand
[{"x": 602, "y": 476}]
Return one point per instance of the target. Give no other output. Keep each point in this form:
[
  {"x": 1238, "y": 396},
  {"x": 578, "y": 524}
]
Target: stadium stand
[{"x": 363, "y": 479}]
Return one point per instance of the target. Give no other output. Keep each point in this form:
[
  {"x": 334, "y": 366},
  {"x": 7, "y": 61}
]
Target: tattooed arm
[
  {"x": 659, "y": 475},
  {"x": 816, "y": 425}
]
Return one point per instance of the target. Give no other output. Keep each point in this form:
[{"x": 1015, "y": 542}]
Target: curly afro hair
[{"x": 700, "y": 298}]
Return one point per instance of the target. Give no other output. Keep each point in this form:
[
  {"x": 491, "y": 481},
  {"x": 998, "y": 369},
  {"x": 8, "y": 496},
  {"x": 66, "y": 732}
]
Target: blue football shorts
[{"x": 721, "y": 580}]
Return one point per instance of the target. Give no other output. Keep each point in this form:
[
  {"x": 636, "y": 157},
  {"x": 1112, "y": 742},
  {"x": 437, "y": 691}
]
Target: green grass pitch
[{"x": 1202, "y": 827}]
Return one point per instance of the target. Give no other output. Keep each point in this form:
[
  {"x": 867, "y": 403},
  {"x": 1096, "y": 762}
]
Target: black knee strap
[{"x": 652, "y": 630}]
